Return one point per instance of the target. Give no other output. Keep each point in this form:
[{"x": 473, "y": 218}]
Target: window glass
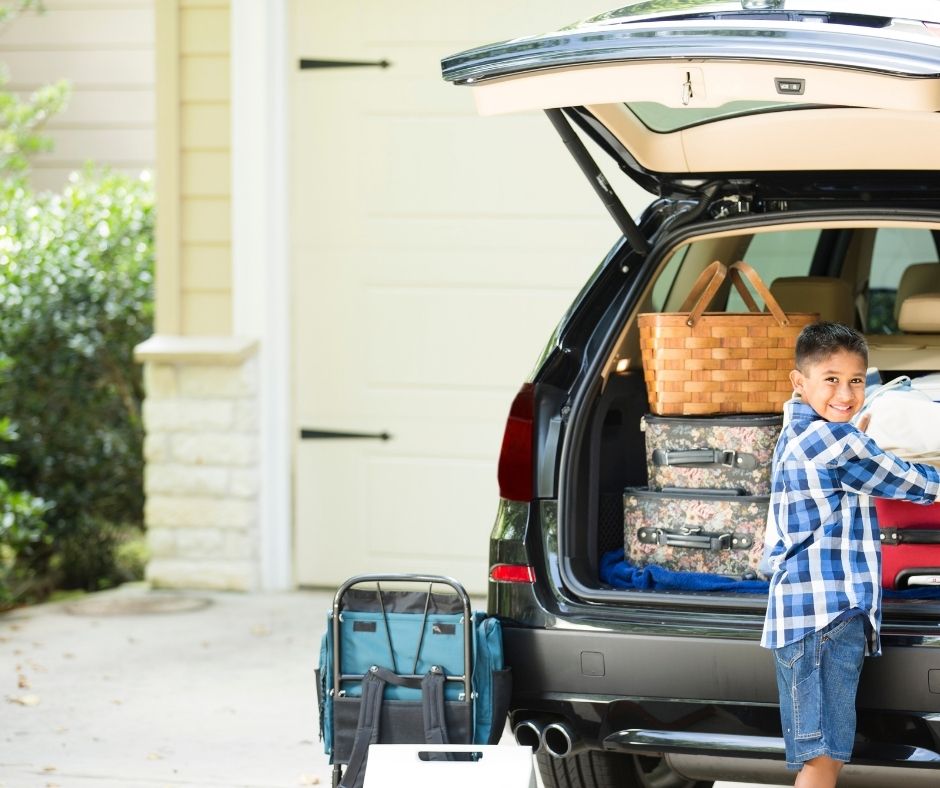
[
  {"x": 660, "y": 118},
  {"x": 667, "y": 278},
  {"x": 775, "y": 254},
  {"x": 895, "y": 249}
]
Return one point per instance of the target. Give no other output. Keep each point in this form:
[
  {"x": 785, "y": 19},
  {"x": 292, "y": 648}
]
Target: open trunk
[{"x": 873, "y": 263}]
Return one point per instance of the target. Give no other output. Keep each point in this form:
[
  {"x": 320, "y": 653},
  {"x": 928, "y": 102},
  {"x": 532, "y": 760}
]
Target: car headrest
[
  {"x": 917, "y": 278},
  {"x": 831, "y": 298},
  {"x": 920, "y": 314}
]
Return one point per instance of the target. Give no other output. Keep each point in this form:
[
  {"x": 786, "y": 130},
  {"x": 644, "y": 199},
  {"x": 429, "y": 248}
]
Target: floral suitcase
[
  {"x": 910, "y": 543},
  {"x": 695, "y": 530},
  {"x": 731, "y": 453}
]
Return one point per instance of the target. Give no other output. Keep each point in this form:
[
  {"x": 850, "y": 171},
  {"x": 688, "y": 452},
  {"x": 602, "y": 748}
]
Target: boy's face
[{"x": 833, "y": 386}]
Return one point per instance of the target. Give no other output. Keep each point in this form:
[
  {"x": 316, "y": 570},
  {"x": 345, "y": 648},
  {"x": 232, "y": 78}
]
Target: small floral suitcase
[
  {"x": 715, "y": 532},
  {"x": 731, "y": 453}
]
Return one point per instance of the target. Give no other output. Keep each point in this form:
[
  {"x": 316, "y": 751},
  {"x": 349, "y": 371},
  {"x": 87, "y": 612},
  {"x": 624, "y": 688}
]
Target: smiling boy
[{"x": 824, "y": 607}]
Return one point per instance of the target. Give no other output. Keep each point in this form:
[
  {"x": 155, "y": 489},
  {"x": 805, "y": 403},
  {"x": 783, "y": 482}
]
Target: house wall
[
  {"x": 194, "y": 233},
  {"x": 201, "y": 408},
  {"x": 106, "y": 51}
]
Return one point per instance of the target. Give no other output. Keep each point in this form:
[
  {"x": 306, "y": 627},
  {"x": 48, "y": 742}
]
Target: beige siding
[
  {"x": 194, "y": 268},
  {"x": 105, "y": 48}
]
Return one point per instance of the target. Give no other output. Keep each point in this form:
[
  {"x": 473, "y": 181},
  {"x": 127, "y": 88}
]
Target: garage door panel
[
  {"x": 433, "y": 253},
  {"x": 450, "y": 26},
  {"x": 457, "y": 337},
  {"x": 429, "y": 494}
]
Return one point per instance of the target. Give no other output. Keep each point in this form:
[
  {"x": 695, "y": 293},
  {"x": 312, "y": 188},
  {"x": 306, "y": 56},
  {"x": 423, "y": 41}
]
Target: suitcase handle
[
  {"x": 910, "y": 535},
  {"x": 695, "y": 539},
  {"x": 683, "y": 457}
]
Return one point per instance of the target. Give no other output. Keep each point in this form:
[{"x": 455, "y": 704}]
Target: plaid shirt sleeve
[
  {"x": 869, "y": 470},
  {"x": 822, "y": 537}
]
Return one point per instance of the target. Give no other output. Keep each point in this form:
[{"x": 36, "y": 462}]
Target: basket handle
[
  {"x": 741, "y": 270},
  {"x": 703, "y": 291}
]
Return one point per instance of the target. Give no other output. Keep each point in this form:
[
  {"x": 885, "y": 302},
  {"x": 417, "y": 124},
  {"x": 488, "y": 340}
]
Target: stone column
[{"x": 202, "y": 453}]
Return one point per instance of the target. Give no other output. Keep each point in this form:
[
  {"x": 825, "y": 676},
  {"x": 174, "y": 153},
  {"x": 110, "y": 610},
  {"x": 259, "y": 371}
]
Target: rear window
[
  {"x": 663, "y": 119},
  {"x": 776, "y": 254}
]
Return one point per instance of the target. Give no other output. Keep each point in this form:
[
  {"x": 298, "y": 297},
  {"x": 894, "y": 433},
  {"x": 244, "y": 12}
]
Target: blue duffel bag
[{"x": 405, "y": 666}]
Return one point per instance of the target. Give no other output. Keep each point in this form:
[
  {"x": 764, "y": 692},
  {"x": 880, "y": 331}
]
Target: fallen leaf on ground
[
  {"x": 309, "y": 779},
  {"x": 154, "y": 756},
  {"x": 22, "y": 682},
  {"x": 260, "y": 630},
  {"x": 24, "y": 700},
  {"x": 48, "y": 768}
]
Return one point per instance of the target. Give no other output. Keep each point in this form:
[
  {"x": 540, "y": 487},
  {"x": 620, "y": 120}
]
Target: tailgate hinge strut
[{"x": 600, "y": 184}]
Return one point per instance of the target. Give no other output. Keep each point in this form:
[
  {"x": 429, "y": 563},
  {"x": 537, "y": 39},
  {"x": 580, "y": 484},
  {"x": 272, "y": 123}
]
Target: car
[{"x": 798, "y": 137}]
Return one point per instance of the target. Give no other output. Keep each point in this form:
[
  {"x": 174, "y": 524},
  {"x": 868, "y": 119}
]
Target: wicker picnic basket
[{"x": 697, "y": 362}]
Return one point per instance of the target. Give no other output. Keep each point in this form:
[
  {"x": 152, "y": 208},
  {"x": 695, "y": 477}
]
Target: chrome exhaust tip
[
  {"x": 559, "y": 741},
  {"x": 528, "y": 733}
]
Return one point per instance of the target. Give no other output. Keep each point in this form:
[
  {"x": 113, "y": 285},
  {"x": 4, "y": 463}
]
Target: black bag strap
[
  {"x": 367, "y": 729},
  {"x": 432, "y": 704},
  {"x": 370, "y": 710}
]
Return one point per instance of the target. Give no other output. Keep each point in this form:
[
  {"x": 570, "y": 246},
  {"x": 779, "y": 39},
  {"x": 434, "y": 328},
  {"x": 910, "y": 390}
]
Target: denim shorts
[{"x": 817, "y": 678}]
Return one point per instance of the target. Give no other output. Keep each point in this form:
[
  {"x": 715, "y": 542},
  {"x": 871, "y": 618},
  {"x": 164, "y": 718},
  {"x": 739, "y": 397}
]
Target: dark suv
[{"x": 803, "y": 140}]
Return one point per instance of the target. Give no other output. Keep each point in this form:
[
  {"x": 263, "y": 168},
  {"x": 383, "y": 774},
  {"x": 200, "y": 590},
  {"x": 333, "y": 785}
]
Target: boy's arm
[{"x": 870, "y": 470}]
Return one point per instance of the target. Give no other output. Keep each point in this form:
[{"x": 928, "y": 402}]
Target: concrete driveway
[{"x": 135, "y": 688}]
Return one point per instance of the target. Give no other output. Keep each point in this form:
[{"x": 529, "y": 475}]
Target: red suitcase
[{"x": 910, "y": 543}]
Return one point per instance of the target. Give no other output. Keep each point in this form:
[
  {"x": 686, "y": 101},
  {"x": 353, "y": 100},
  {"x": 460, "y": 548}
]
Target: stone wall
[{"x": 202, "y": 462}]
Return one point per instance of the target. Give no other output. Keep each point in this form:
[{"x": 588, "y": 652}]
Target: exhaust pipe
[
  {"x": 528, "y": 733},
  {"x": 559, "y": 741}
]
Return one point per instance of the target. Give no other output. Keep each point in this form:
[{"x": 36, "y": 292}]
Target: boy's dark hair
[{"x": 820, "y": 340}]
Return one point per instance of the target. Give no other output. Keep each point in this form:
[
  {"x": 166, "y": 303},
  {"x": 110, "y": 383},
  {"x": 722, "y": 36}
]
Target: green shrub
[
  {"x": 21, "y": 121},
  {"x": 75, "y": 298},
  {"x": 23, "y": 533}
]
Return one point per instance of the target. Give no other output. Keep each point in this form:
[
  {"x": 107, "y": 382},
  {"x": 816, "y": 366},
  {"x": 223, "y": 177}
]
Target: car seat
[
  {"x": 831, "y": 298},
  {"x": 917, "y": 278}
]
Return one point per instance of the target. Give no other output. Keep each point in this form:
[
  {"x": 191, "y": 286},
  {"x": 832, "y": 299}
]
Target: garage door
[{"x": 432, "y": 254}]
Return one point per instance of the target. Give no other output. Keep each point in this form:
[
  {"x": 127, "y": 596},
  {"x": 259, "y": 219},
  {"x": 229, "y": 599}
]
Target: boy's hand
[{"x": 863, "y": 422}]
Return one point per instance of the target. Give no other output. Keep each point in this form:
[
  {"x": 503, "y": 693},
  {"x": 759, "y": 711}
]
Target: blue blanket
[{"x": 616, "y": 571}]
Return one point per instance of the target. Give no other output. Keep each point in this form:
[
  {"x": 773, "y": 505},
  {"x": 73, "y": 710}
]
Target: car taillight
[
  {"x": 512, "y": 573},
  {"x": 515, "y": 458}
]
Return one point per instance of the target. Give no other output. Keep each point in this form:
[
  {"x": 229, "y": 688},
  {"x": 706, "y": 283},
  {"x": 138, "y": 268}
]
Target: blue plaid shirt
[{"x": 822, "y": 533}]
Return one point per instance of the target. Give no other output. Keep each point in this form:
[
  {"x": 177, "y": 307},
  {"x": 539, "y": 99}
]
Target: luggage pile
[
  {"x": 905, "y": 420},
  {"x": 705, "y": 507},
  {"x": 716, "y": 384}
]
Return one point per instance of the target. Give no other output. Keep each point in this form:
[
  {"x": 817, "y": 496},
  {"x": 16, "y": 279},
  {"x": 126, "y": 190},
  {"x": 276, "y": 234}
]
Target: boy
[{"x": 824, "y": 608}]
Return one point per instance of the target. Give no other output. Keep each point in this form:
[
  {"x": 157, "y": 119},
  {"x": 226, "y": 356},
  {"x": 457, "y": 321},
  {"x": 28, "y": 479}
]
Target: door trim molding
[{"x": 260, "y": 257}]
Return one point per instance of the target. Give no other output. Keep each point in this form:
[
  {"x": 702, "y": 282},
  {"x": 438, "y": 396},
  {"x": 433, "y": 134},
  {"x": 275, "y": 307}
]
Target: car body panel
[
  {"x": 738, "y": 96},
  {"x": 800, "y": 116}
]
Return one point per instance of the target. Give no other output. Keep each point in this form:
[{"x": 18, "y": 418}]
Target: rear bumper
[{"x": 706, "y": 702}]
